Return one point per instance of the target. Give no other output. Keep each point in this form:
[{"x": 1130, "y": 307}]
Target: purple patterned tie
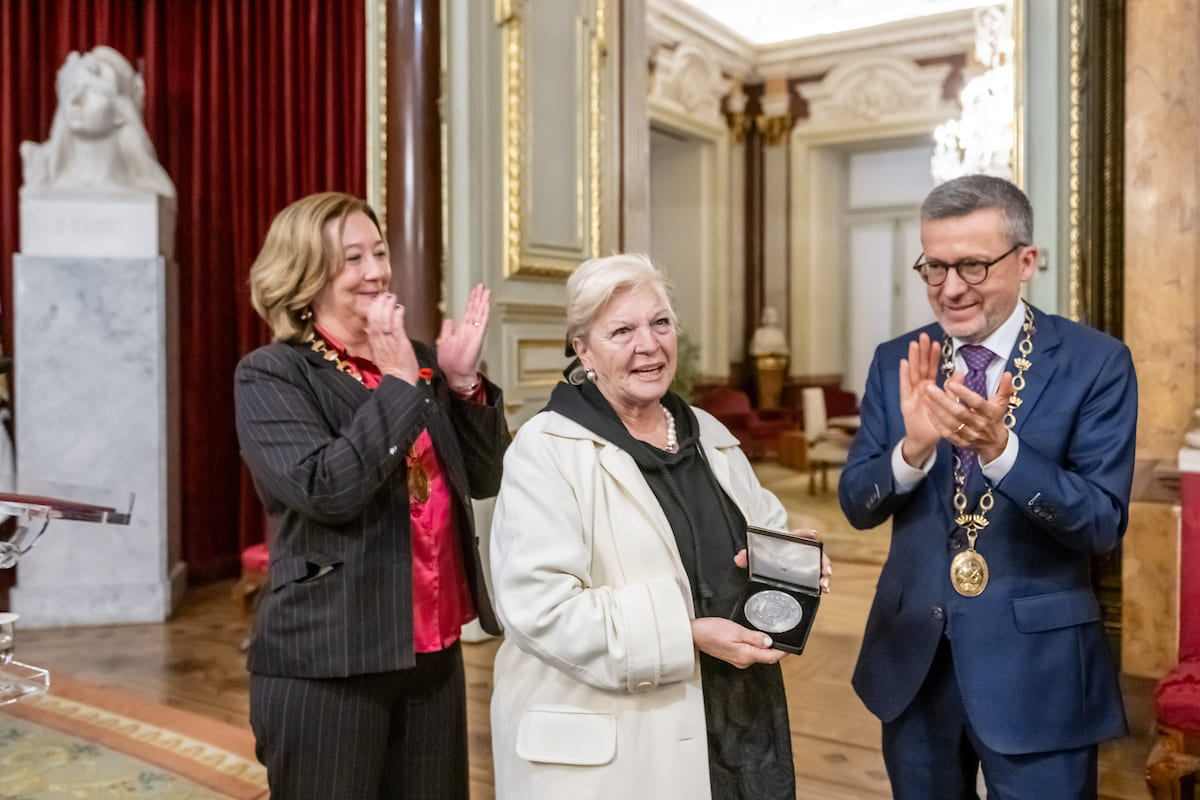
[{"x": 977, "y": 357}]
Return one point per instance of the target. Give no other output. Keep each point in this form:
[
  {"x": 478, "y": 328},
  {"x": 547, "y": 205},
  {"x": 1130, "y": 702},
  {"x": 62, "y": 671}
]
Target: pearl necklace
[{"x": 672, "y": 442}]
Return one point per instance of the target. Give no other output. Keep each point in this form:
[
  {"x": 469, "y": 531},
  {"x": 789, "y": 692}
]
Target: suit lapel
[
  {"x": 351, "y": 392},
  {"x": 942, "y": 473},
  {"x": 942, "y": 476},
  {"x": 445, "y": 444},
  {"x": 343, "y": 385},
  {"x": 1043, "y": 361}
]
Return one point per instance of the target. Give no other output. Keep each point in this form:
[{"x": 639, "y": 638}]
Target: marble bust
[{"x": 97, "y": 139}]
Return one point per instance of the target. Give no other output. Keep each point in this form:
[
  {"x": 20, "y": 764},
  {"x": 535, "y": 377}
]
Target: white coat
[{"x": 597, "y": 686}]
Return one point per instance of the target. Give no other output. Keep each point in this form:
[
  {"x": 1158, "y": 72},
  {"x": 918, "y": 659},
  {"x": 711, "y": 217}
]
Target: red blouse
[{"x": 441, "y": 599}]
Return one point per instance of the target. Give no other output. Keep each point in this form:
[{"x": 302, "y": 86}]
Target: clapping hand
[
  {"x": 391, "y": 349},
  {"x": 918, "y": 375},
  {"x": 459, "y": 345},
  {"x": 971, "y": 421}
]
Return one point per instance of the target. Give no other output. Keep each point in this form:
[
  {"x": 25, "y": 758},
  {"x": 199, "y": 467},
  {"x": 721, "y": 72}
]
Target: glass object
[
  {"x": 23, "y": 519},
  {"x": 971, "y": 271},
  {"x": 27, "y": 515},
  {"x": 981, "y": 141},
  {"x": 17, "y": 681}
]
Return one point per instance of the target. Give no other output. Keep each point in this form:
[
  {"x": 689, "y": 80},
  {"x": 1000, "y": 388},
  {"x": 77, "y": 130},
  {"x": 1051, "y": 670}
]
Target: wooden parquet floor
[{"x": 193, "y": 662}]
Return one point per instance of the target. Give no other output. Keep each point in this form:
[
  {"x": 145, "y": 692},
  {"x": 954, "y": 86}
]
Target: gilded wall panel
[{"x": 553, "y": 53}]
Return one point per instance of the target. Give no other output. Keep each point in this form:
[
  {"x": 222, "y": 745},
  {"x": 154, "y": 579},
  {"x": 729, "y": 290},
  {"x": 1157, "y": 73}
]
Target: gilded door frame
[{"x": 1096, "y": 164}]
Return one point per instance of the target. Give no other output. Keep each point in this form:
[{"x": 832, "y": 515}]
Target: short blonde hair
[
  {"x": 297, "y": 261},
  {"x": 594, "y": 283}
]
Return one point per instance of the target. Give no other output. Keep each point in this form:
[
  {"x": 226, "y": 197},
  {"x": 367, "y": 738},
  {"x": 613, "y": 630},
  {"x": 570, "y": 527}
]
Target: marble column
[
  {"x": 1162, "y": 312},
  {"x": 96, "y": 398}
]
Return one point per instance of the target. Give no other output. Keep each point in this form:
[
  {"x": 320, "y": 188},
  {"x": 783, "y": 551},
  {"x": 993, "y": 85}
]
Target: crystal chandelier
[{"x": 981, "y": 140}]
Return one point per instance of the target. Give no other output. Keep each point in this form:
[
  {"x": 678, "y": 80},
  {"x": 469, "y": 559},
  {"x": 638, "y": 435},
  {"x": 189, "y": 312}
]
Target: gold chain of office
[
  {"x": 418, "y": 475},
  {"x": 969, "y": 569},
  {"x": 318, "y": 345}
]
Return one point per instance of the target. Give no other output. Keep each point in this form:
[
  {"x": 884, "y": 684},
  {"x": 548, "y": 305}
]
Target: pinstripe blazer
[{"x": 328, "y": 459}]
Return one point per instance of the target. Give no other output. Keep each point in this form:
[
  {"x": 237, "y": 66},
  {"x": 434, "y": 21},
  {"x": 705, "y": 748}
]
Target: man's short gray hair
[{"x": 970, "y": 193}]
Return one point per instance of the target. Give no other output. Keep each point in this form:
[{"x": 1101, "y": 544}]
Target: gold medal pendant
[
  {"x": 969, "y": 571},
  {"x": 418, "y": 481}
]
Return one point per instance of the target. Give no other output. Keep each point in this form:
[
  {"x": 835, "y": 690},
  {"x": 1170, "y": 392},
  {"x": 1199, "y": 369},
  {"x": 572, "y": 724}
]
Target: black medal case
[{"x": 784, "y": 590}]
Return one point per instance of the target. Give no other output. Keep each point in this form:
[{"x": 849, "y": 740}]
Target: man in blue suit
[{"x": 1001, "y": 443}]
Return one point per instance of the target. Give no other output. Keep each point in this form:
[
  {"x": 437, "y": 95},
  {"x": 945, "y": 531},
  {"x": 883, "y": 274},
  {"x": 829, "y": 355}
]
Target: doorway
[
  {"x": 883, "y": 190},
  {"x": 689, "y": 233},
  {"x": 678, "y": 213}
]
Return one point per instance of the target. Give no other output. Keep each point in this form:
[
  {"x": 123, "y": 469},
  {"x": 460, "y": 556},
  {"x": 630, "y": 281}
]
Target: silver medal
[{"x": 773, "y": 611}]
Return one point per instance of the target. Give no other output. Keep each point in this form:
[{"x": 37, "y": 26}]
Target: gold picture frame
[{"x": 522, "y": 257}]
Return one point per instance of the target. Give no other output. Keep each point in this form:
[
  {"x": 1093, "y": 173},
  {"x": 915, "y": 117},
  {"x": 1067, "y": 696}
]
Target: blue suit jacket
[{"x": 1029, "y": 652}]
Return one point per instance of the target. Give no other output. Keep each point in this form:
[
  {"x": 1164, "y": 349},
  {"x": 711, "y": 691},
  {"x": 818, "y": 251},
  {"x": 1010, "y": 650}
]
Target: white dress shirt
[{"x": 1001, "y": 342}]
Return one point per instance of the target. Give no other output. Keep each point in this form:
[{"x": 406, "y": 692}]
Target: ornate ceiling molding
[
  {"x": 670, "y": 23},
  {"x": 874, "y": 89},
  {"x": 916, "y": 39},
  {"x": 687, "y": 81}
]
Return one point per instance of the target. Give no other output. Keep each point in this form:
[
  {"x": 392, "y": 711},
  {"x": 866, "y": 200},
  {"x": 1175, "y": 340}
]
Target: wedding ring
[
  {"x": 476, "y": 324},
  {"x": 387, "y": 333},
  {"x": 961, "y": 425}
]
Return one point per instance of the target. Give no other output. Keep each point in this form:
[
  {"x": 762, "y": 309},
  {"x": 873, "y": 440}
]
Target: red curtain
[
  {"x": 250, "y": 104},
  {"x": 35, "y": 38}
]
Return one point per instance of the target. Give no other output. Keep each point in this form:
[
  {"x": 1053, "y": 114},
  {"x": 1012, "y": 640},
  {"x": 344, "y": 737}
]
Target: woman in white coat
[{"x": 617, "y": 552}]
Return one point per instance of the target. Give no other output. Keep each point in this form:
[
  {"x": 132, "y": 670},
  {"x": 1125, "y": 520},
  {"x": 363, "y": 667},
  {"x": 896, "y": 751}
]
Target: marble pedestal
[
  {"x": 96, "y": 393},
  {"x": 96, "y": 223},
  {"x": 769, "y": 371}
]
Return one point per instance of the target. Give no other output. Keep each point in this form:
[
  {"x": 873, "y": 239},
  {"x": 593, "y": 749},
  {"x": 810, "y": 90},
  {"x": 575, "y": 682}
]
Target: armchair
[
  {"x": 827, "y": 447},
  {"x": 757, "y": 429}
]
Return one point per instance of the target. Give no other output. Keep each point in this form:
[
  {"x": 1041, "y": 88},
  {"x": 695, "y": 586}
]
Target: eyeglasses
[{"x": 970, "y": 270}]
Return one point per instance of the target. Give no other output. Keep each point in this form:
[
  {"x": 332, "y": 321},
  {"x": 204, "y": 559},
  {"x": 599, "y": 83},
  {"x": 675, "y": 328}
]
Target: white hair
[{"x": 595, "y": 282}]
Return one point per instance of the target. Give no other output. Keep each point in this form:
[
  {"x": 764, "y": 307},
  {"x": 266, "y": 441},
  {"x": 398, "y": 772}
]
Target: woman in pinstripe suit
[{"x": 366, "y": 448}]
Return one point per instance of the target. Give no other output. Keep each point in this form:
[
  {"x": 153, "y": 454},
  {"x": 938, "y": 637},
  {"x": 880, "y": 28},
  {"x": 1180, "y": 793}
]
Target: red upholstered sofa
[
  {"x": 1174, "y": 760},
  {"x": 757, "y": 430}
]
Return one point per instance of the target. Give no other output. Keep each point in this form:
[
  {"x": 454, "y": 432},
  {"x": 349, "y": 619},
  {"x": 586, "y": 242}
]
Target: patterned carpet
[
  {"x": 821, "y": 512},
  {"x": 81, "y": 741}
]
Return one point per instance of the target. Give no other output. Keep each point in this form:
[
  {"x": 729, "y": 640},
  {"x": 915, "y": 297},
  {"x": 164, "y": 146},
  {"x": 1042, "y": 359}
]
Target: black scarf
[{"x": 708, "y": 527}]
